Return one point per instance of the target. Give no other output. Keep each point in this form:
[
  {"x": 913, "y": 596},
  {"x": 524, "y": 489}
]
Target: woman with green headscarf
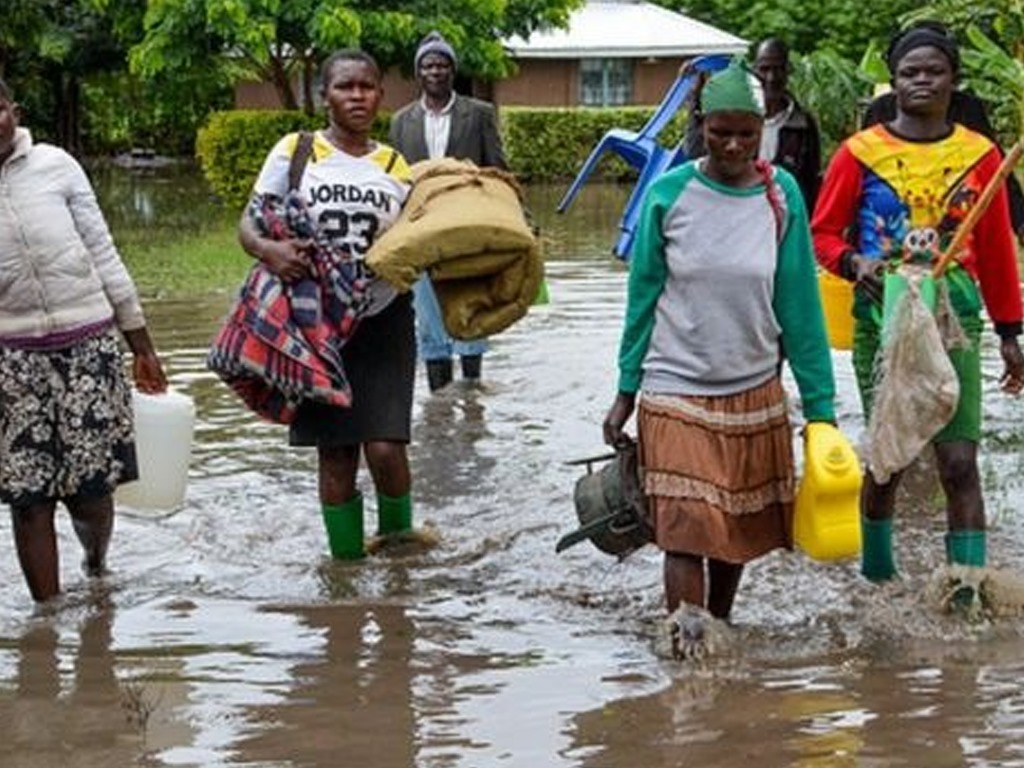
[{"x": 722, "y": 289}]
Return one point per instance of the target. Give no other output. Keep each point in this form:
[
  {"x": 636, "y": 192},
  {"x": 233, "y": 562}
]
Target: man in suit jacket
[{"x": 442, "y": 123}]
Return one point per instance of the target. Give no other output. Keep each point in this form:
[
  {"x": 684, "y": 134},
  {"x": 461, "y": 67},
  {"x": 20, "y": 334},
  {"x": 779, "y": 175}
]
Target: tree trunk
[
  {"x": 283, "y": 84},
  {"x": 66, "y": 124},
  {"x": 308, "y": 73},
  {"x": 70, "y": 115}
]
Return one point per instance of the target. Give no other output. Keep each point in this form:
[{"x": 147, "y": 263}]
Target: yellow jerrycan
[
  {"x": 837, "y": 304},
  {"x": 826, "y": 521}
]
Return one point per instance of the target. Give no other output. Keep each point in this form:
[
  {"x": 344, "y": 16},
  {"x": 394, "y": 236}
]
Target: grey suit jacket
[{"x": 474, "y": 133}]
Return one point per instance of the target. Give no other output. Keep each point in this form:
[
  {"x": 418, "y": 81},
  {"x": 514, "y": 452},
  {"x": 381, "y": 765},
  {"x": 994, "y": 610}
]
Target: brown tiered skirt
[{"x": 718, "y": 472}]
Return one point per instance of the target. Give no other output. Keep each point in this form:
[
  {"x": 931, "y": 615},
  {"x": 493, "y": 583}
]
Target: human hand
[
  {"x": 867, "y": 276},
  {"x": 148, "y": 373},
  {"x": 830, "y": 422},
  {"x": 1012, "y": 380},
  {"x": 288, "y": 259},
  {"x": 617, "y": 417}
]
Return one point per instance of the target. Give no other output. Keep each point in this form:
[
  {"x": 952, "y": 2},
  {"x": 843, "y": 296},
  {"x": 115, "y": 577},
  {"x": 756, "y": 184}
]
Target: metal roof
[{"x": 625, "y": 29}]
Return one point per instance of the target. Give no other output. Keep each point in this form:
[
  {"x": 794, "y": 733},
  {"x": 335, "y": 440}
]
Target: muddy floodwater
[{"x": 225, "y": 636}]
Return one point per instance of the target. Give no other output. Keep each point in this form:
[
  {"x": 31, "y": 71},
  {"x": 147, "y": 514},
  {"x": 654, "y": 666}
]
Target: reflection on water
[
  {"x": 225, "y": 635},
  {"x": 157, "y": 206}
]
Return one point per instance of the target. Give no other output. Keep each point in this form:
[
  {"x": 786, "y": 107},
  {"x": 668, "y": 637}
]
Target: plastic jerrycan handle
[{"x": 830, "y": 460}]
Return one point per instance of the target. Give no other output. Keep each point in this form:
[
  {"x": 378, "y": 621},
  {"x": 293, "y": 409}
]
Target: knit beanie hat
[
  {"x": 733, "y": 89},
  {"x": 434, "y": 42},
  {"x": 923, "y": 33}
]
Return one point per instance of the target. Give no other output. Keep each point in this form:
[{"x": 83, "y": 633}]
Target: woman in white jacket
[{"x": 65, "y": 406}]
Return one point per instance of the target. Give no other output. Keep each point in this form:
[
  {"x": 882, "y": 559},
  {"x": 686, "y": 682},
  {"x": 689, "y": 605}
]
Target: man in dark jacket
[{"x": 442, "y": 123}]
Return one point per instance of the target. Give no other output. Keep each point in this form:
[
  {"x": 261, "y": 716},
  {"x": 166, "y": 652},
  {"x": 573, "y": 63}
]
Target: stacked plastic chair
[{"x": 642, "y": 150}]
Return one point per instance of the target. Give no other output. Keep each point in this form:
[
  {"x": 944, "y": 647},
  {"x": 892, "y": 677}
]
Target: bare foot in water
[
  {"x": 694, "y": 633},
  {"x": 94, "y": 569}
]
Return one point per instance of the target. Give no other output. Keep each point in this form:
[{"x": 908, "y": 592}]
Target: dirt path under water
[{"x": 226, "y": 637}]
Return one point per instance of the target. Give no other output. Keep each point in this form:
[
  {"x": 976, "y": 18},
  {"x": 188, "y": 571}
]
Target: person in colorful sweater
[
  {"x": 354, "y": 188},
  {"x": 965, "y": 108},
  {"x": 898, "y": 190},
  {"x": 722, "y": 288}
]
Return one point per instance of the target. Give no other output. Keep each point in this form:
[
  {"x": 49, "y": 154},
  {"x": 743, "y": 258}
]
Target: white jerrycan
[{"x": 164, "y": 425}]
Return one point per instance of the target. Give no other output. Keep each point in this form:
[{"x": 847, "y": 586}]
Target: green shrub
[
  {"x": 231, "y": 147},
  {"x": 540, "y": 144},
  {"x": 121, "y": 111},
  {"x": 552, "y": 144},
  {"x": 834, "y": 90}
]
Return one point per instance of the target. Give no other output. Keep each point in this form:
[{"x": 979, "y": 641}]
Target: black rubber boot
[
  {"x": 471, "y": 365},
  {"x": 439, "y": 374}
]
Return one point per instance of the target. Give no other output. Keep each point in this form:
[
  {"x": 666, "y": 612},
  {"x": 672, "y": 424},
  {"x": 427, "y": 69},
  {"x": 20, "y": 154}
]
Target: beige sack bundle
[{"x": 465, "y": 226}]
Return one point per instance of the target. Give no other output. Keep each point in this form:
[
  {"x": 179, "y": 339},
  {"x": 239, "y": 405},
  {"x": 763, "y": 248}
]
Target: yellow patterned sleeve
[{"x": 392, "y": 162}]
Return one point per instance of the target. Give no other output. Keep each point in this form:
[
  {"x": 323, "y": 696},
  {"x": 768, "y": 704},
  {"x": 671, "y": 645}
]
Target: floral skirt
[
  {"x": 65, "y": 422},
  {"x": 718, "y": 472}
]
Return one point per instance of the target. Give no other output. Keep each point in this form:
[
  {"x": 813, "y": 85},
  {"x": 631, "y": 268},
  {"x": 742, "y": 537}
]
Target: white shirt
[
  {"x": 353, "y": 199},
  {"x": 770, "y": 133},
  {"x": 437, "y": 127}
]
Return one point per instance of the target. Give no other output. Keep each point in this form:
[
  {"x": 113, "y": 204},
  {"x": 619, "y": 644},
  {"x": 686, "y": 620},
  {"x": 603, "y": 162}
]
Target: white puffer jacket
[{"x": 59, "y": 268}]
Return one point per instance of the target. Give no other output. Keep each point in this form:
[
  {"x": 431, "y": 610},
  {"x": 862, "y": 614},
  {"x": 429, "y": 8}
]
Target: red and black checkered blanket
[{"x": 281, "y": 343}]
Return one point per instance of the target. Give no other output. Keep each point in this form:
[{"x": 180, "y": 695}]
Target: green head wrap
[{"x": 733, "y": 89}]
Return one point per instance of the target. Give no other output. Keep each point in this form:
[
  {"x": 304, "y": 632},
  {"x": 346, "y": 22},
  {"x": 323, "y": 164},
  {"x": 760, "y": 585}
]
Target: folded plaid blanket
[{"x": 281, "y": 343}]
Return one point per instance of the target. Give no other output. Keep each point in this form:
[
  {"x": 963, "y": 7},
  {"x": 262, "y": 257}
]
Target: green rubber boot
[
  {"x": 966, "y": 547},
  {"x": 344, "y": 523},
  {"x": 876, "y": 560},
  {"x": 394, "y": 515}
]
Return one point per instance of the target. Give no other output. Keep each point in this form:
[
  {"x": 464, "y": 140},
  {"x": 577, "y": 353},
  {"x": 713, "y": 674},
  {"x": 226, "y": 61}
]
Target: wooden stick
[{"x": 984, "y": 200}]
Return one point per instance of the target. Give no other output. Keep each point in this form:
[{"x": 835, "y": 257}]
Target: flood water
[{"x": 226, "y": 637}]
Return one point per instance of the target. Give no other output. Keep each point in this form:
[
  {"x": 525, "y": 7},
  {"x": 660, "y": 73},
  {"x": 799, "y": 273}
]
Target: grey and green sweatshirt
[{"x": 718, "y": 295}]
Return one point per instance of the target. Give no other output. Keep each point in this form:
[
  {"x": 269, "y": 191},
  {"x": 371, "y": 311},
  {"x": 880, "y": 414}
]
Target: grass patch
[{"x": 203, "y": 263}]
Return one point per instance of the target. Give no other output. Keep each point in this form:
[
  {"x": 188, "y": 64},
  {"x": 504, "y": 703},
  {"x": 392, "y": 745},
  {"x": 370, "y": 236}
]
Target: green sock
[
  {"x": 344, "y": 523},
  {"x": 966, "y": 547},
  {"x": 876, "y": 561},
  {"x": 394, "y": 515}
]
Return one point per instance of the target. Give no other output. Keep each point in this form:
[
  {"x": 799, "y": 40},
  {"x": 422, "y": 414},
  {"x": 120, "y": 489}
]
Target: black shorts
[{"x": 380, "y": 362}]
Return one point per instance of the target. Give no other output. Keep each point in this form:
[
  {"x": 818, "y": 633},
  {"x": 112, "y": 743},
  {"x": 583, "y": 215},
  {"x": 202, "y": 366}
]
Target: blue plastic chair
[{"x": 642, "y": 150}]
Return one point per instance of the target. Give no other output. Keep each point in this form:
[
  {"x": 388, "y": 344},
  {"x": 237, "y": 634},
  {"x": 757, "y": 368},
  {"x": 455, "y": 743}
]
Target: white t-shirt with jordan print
[{"x": 352, "y": 199}]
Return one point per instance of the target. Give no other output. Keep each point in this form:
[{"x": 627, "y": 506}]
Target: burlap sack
[{"x": 465, "y": 227}]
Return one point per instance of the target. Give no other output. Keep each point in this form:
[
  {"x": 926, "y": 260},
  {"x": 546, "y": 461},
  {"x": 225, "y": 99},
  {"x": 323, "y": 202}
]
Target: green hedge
[
  {"x": 540, "y": 144},
  {"x": 552, "y": 144},
  {"x": 232, "y": 145}
]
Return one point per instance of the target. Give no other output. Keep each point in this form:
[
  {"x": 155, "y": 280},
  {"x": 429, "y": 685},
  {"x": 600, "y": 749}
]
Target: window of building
[{"x": 606, "y": 82}]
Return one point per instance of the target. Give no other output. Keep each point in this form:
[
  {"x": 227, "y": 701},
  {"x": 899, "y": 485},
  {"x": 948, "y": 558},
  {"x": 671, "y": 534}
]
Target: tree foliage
[
  {"x": 282, "y": 41},
  {"x": 992, "y": 48},
  {"x": 51, "y": 46},
  {"x": 834, "y": 34},
  {"x": 834, "y": 90},
  {"x": 843, "y": 26}
]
